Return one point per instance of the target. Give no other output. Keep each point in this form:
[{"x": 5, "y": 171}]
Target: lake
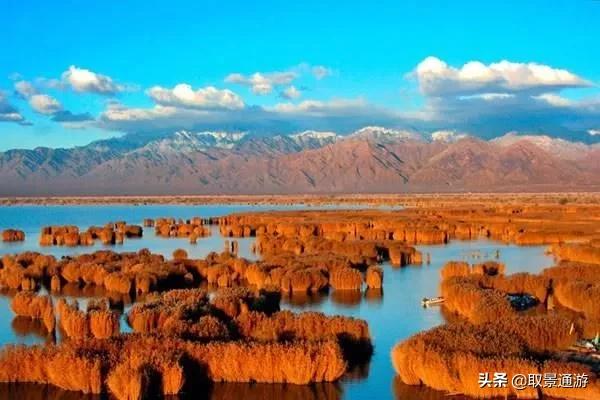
[{"x": 393, "y": 314}]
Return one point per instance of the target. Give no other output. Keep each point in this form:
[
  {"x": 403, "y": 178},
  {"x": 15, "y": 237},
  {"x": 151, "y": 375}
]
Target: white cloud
[
  {"x": 594, "y": 132},
  {"x": 44, "y": 104},
  {"x": 554, "y": 100},
  {"x": 436, "y": 78},
  {"x": 291, "y": 93},
  {"x": 39, "y": 102},
  {"x": 320, "y": 71},
  {"x": 118, "y": 112},
  {"x": 319, "y": 107},
  {"x": 8, "y": 113},
  {"x": 84, "y": 80},
  {"x": 262, "y": 83},
  {"x": 448, "y": 136},
  {"x": 182, "y": 95},
  {"x": 488, "y": 96},
  {"x": 25, "y": 89}
]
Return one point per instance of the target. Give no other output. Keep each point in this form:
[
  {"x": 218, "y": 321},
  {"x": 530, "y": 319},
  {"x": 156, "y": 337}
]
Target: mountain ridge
[{"x": 372, "y": 159}]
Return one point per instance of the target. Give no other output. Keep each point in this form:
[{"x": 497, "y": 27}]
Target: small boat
[{"x": 426, "y": 302}]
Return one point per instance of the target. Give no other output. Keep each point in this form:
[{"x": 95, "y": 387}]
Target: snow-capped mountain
[
  {"x": 555, "y": 146},
  {"x": 379, "y": 133},
  {"x": 311, "y": 139},
  {"x": 187, "y": 142},
  {"x": 372, "y": 159},
  {"x": 447, "y": 136}
]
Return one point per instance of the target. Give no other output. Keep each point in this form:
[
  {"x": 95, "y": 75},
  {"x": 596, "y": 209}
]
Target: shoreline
[{"x": 433, "y": 199}]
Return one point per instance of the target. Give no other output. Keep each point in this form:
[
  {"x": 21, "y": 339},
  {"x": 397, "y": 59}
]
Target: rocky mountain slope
[{"x": 373, "y": 159}]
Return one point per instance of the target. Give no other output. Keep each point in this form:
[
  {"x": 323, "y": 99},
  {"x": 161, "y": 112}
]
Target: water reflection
[
  {"x": 216, "y": 391},
  {"x": 320, "y": 391},
  {"x": 25, "y": 326},
  {"x": 33, "y": 391},
  {"x": 346, "y": 298},
  {"x": 304, "y": 299},
  {"x": 374, "y": 296},
  {"x": 407, "y": 392}
]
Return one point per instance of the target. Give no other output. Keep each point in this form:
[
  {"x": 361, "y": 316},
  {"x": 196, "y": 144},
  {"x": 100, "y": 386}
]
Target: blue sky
[{"x": 321, "y": 65}]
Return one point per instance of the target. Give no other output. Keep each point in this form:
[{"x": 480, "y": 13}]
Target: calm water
[{"x": 393, "y": 314}]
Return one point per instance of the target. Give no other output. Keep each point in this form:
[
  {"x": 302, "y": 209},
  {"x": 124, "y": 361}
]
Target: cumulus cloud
[
  {"x": 118, "y": 112},
  {"x": 320, "y": 107},
  {"x": 448, "y": 136},
  {"x": 291, "y": 93},
  {"x": 25, "y": 89},
  {"x": 436, "y": 78},
  {"x": 554, "y": 100},
  {"x": 48, "y": 105},
  {"x": 86, "y": 81},
  {"x": 9, "y": 113},
  {"x": 262, "y": 83},
  {"x": 340, "y": 115},
  {"x": 490, "y": 99},
  {"x": 183, "y": 95},
  {"x": 44, "y": 104}
]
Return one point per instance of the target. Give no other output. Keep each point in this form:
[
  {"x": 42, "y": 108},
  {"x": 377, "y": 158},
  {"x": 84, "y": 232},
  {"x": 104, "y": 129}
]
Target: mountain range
[{"x": 370, "y": 160}]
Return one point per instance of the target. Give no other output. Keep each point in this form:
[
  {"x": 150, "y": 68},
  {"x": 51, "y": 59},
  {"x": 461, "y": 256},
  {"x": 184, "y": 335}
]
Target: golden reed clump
[
  {"x": 450, "y": 358},
  {"x": 312, "y": 326},
  {"x": 157, "y": 311},
  {"x": 27, "y": 304},
  {"x": 579, "y": 252},
  {"x": 465, "y": 296},
  {"x": 25, "y": 271},
  {"x": 461, "y": 268},
  {"x": 346, "y": 279},
  {"x": 169, "y": 227},
  {"x": 589, "y": 392},
  {"x": 124, "y": 273},
  {"x": 130, "y": 364},
  {"x": 77, "y": 324},
  {"x": 13, "y": 235},
  {"x": 374, "y": 277},
  {"x": 136, "y": 377},
  {"x": 69, "y": 235},
  {"x": 65, "y": 366}
]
